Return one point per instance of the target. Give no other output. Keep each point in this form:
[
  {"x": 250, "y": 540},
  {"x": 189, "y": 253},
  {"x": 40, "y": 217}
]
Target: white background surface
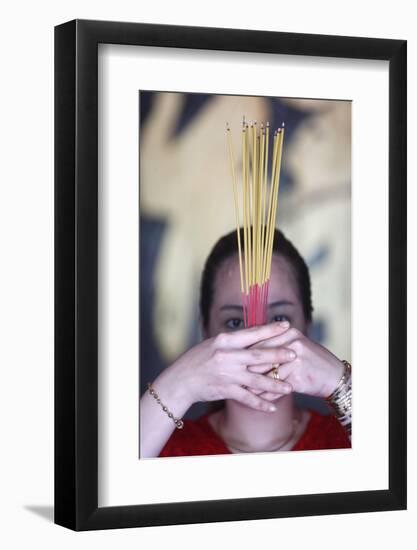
[
  {"x": 26, "y": 289},
  {"x": 122, "y": 478}
]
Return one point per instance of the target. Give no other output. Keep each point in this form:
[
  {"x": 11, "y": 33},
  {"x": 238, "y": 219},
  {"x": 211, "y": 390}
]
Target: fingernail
[
  {"x": 292, "y": 355},
  {"x": 272, "y": 408},
  {"x": 284, "y": 324}
]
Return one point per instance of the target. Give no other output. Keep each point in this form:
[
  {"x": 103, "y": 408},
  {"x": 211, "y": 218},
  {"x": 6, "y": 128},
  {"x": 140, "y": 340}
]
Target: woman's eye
[
  {"x": 234, "y": 324},
  {"x": 280, "y": 318}
]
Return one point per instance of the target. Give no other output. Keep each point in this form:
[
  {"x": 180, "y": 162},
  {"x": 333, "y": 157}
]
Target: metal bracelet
[
  {"x": 177, "y": 421},
  {"x": 341, "y": 398}
]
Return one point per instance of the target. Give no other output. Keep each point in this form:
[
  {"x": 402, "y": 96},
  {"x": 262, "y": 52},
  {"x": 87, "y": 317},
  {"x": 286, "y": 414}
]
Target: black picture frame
[{"x": 76, "y": 272}]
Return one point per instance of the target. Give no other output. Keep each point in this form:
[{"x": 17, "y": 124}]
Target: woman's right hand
[{"x": 217, "y": 369}]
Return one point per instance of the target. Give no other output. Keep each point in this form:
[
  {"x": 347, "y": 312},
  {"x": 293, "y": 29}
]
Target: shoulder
[
  {"x": 323, "y": 432},
  {"x": 197, "y": 437}
]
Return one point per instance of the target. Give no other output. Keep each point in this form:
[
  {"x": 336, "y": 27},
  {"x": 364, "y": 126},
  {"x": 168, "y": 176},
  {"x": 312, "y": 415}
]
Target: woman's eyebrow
[
  {"x": 231, "y": 307},
  {"x": 273, "y": 304},
  {"x": 281, "y": 303}
]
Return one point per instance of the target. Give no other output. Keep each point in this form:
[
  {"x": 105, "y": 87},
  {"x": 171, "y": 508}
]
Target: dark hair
[{"x": 226, "y": 247}]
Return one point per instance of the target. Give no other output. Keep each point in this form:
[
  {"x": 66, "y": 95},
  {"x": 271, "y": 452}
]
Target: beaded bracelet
[
  {"x": 177, "y": 421},
  {"x": 341, "y": 398}
]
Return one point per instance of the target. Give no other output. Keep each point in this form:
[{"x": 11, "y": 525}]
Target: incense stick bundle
[{"x": 258, "y": 209}]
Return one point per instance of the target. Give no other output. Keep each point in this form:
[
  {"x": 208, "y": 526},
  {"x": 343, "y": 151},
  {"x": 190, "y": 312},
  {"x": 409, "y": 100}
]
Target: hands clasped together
[{"x": 238, "y": 365}]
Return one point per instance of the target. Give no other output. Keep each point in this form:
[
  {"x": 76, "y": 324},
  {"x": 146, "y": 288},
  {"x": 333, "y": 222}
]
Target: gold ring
[{"x": 275, "y": 372}]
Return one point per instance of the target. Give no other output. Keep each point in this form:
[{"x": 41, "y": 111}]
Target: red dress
[{"x": 198, "y": 437}]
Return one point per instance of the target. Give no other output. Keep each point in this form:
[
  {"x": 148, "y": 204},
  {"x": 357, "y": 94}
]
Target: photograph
[{"x": 244, "y": 274}]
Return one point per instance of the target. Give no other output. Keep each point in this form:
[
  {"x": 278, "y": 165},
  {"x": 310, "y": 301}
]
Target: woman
[{"x": 254, "y": 370}]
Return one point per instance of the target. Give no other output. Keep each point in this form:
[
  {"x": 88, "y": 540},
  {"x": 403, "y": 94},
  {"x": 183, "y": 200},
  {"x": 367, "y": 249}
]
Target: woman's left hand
[{"x": 315, "y": 370}]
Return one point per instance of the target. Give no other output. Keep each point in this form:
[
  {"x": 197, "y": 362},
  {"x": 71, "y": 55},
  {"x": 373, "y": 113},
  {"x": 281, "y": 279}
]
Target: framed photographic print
[{"x": 230, "y": 284}]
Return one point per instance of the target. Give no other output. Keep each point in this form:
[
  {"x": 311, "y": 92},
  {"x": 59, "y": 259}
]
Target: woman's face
[{"x": 284, "y": 303}]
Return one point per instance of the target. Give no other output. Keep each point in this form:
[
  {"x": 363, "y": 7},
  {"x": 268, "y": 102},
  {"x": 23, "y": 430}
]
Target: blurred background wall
[{"x": 186, "y": 204}]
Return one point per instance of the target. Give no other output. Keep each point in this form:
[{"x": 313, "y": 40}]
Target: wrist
[
  {"x": 334, "y": 378},
  {"x": 172, "y": 392}
]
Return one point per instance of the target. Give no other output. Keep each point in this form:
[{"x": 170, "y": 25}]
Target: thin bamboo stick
[
  {"x": 259, "y": 211},
  {"x": 236, "y": 201}
]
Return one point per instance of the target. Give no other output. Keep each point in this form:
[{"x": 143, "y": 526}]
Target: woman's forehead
[{"x": 282, "y": 281}]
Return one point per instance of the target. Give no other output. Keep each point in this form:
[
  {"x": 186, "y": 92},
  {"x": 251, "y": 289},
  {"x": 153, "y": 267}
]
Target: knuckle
[
  {"x": 255, "y": 380},
  {"x": 264, "y": 405},
  {"x": 253, "y": 401},
  {"x": 298, "y": 380},
  {"x": 297, "y": 345},
  {"x": 281, "y": 353},
  {"x": 291, "y": 355},
  {"x": 221, "y": 340},
  {"x": 248, "y": 398},
  {"x": 294, "y": 333},
  {"x": 274, "y": 386},
  {"x": 284, "y": 387},
  {"x": 256, "y": 354},
  {"x": 219, "y": 356}
]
